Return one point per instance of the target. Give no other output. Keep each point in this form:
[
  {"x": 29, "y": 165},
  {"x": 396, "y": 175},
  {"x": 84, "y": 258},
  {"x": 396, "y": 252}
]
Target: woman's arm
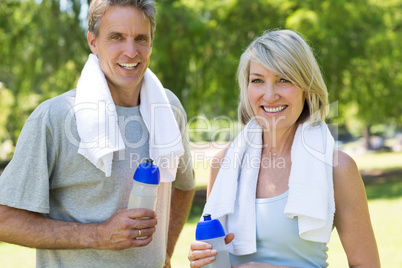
[
  {"x": 352, "y": 219},
  {"x": 201, "y": 253}
]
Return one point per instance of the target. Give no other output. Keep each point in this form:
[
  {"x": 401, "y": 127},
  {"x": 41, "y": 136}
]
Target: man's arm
[
  {"x": 180, "y": 206},
  {"x": 31, "y": 229}
]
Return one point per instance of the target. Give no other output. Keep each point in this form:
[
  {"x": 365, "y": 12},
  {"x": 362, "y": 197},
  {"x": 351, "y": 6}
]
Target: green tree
[
  {"x": 357, "y": 44},
  {"x": 43, "y": 51},
  {"x": 178, "y": 56},
  {"x": 197, "y": 49}
]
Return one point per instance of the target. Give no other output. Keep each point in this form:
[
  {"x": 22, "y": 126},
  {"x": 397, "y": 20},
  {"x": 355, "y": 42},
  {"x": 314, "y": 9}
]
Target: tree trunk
[{"x": 366, "y": 136}]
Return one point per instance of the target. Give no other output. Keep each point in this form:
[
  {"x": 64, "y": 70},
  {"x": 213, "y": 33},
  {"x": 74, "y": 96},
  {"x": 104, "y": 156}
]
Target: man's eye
[
  {"x": 142, "y": 39},
  {"x": 116, "y": 37}
]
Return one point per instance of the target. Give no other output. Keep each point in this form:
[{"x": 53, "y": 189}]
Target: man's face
[{"x": 124, "y": 47}]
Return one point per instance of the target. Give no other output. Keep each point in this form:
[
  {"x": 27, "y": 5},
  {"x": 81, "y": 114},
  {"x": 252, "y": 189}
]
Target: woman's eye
[
  {"x": 116, "y": 37},
  {"x": 256, "y": 80},
  {"x": 283, "y": 80}
]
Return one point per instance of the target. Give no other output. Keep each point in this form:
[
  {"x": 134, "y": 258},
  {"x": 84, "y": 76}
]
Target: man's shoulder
[
  {"x": 177, "y": 107},
  {"x": 60, "y": 105},
  {"x": 66, "y": 99},
  {"x": 173, "y": 99}
]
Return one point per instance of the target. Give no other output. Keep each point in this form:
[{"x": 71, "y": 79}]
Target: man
[{"x": 66, "y": 196}]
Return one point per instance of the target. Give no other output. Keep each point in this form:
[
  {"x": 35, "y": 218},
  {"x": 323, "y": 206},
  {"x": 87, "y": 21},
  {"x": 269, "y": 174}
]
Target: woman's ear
[{"x": 92, "y": 42}]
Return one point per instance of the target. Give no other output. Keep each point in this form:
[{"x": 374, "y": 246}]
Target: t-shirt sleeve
[
  {"x": 24, "y": 184},
  {"x": 184, "y": 176}
]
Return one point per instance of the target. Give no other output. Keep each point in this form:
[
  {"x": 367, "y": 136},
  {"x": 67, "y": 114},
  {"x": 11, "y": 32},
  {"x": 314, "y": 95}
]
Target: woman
[{"x": 275, "y": 189}]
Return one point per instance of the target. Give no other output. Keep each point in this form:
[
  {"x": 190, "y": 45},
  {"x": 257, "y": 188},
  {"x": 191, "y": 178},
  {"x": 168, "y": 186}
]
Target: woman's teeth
[{"x": 274, "y": 109}]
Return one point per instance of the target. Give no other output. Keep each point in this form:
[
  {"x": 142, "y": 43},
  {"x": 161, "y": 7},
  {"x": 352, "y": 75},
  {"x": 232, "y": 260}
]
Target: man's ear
[
  {"x": 92, "y": 42},
  {"x": 152, "y": 41}
]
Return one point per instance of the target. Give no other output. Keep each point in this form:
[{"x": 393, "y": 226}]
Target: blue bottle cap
[
  {"x": 147, "y": 173},
  {"x": 209, "y": 229}
]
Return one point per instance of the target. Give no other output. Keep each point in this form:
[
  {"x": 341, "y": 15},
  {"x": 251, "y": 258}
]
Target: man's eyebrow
[
  {"x": 142, "y": 34},
  {"x": 114, "y": 33}
]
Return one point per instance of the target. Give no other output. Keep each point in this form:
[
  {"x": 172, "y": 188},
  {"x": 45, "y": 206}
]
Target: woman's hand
[
  {"x": 202, "y": 253},
  {"x": 252, "y": 265},
  {"x": 258, "y": 265}
]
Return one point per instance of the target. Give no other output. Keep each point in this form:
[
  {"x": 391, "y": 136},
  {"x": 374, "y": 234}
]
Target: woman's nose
[{"x": 270, "y": 94}]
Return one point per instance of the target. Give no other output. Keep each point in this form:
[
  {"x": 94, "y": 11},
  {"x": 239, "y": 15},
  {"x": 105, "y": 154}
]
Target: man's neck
[{"x": 124, "y": 97}]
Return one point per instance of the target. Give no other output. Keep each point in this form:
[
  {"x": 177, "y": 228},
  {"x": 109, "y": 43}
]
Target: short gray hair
[
  {"x": 98, "y": 8},
  {"x": 286, "y": 54}
]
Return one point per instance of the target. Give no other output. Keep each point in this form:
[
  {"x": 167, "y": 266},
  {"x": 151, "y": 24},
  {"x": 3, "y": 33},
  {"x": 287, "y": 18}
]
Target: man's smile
[{"x": 128, "y": 66}]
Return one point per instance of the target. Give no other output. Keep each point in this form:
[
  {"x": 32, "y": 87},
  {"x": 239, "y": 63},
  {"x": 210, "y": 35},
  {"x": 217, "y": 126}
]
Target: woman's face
[{"x": 276, "y": 102}]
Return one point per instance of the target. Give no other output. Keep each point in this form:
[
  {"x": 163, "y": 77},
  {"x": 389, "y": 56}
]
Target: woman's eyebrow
[{"x": 256, "y": 74}]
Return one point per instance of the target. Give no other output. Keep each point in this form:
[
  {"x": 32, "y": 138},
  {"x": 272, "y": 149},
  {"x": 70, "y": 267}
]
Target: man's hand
[
  {"x": 124, "y": 227},
  {"x": 120, "y": 231},
  {"x": 167, "y": 261}
]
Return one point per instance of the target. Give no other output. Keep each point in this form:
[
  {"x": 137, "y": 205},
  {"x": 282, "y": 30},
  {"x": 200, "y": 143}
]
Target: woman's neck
[{"x": 278, "y": 142}]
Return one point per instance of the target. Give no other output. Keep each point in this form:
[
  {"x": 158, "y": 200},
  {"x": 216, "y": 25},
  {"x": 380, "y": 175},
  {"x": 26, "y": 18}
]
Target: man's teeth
[
  {"x": 274, "y": 109},
  {"x": 128, "y": 65}
]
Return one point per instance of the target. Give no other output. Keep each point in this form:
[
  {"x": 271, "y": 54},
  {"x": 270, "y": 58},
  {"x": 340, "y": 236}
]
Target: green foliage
[
  {"x": 178, "y": 54},
  {"x": 6, "y": 102},
  {"x": 356, "y": 44},
  {"x": 217, "y": 129},
  {"x": 43, "y": 51},
  {"x": 197, "y": 49}
]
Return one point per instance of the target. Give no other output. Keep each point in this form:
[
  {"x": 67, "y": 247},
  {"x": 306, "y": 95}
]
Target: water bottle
[
  {"x": 211, "y": 231},
  {"x": 145, "y": 188}
]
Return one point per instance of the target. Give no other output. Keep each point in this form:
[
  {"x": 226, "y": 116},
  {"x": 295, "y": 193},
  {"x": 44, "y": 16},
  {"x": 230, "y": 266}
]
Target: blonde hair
[{"x": 286, "y": 54}]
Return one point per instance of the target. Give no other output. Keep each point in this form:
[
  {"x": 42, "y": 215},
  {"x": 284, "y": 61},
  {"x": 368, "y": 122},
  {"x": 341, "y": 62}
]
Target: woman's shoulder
[
  {"x": 217, "y": 158},
  {"x": 345, "y": 170},
  {"x": 215, "y": 164},
  {"x": 343, "y": 162}
]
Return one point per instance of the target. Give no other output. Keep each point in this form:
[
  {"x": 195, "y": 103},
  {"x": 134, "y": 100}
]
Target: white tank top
[{"x": 278, "y": 240}]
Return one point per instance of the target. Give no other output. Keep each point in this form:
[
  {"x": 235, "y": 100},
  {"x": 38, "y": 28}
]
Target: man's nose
[{"x": 130, "y": 49}]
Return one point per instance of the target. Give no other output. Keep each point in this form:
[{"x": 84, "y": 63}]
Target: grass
[
  {"x": 379, "y": 161},
  {"x": 384, "y": 192}
]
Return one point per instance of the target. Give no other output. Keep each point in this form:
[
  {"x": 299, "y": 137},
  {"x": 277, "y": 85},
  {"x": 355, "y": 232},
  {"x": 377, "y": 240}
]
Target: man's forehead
[{"x": 125, "y": 20}]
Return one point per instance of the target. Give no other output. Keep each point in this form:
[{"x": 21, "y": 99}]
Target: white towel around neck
[
  {"x": 311, "y": 194},
  {"x": 97, "y": 121}
]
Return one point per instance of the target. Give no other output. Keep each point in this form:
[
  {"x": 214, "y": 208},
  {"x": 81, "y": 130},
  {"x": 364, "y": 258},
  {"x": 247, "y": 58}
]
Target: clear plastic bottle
[
  {"x": 211, "y": 231},
  {"x": 145, "y": 187}
]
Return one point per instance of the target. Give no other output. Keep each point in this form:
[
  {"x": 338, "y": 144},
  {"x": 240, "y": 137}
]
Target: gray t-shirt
[{"x": 48, "y": 176}]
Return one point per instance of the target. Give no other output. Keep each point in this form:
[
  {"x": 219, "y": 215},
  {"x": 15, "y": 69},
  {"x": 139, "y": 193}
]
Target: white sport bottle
[
  {"x": 145, "y": 187},
  {"x": 211, "y": 231}
]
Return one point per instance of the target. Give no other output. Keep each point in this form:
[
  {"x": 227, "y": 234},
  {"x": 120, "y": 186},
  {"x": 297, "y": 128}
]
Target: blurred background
[{"x": 196, "y": 50}]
